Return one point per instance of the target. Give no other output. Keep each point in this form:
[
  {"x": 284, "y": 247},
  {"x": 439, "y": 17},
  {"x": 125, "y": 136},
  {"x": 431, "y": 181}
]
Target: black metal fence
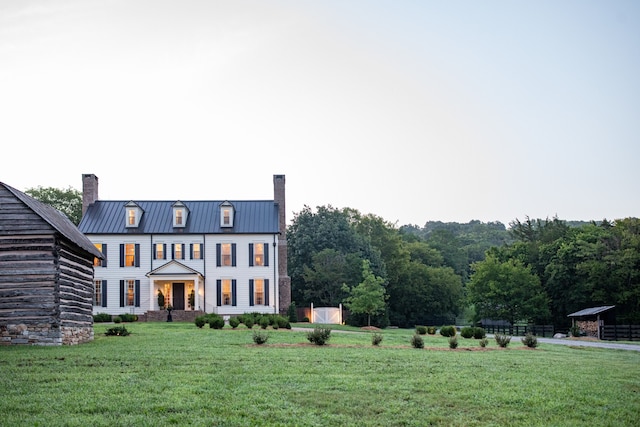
[
  {"x": 521, "y": 330},
  {"x": 620, "y": 332}
]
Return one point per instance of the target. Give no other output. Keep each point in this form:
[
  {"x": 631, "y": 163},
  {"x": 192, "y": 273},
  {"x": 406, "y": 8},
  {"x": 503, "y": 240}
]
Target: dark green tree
[{"x": 68, "y": 201}]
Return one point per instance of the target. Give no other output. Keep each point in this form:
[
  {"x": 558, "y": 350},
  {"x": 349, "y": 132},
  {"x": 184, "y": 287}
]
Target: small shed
[
  {"x": 591, "y": 320},
  {"x": 46, "y": 274}
]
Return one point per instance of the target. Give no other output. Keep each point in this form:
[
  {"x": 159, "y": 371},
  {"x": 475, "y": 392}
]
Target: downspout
[
  {"x": 204, "y": 273},
  {"x": 276, "y": 285}
]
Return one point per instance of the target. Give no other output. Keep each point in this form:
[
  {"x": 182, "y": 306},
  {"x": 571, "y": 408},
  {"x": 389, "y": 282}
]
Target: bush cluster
[
  {"x": 431, "y": 330},
  {"x": 128, "y": 317},
  {"x": 448, "y": 331},
  {"x": 120, "y": 331},
  {"x": 472, "y": 332},
  {"x": 417, "y": 341},
  {"x": 530, "y": 340},
  {"x": 102, "y": 317},
  {"x": 502, "y": 340},
  {"x": 319, "y": 335},
  {"x": 422, "y": 330},
  {"x": 234, "y": 322}
]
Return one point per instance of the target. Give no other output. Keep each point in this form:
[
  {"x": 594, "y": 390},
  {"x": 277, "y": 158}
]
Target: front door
[{"x": 178, "y": 296}]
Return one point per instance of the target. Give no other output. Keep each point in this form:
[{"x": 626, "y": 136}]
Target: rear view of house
[{"x": 46, "y": 274}]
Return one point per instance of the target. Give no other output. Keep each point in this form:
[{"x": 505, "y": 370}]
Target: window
[
  {"x": 226, "y": 292},
  {"x": 129, "y": 293},
  {"x": 196, "y": 251},
  {"x": 178, "y": 250},
  {"x": 160, "y": 251},
  {"x": 258, "y": 254},
  {"x": 226, "y": 214},
  {"x": 131, "y": 288},
  {"x": 97, "y": 262},
  {"x": 259, "y": 292},
  {"x": 100, "y": 293},
  {"x": 131, "y": 217},
  {"x": 226, "y": 254},
  {"x": 133, "y": 214},
  {"x": 180, "y": 213},
  {"x": 130, "y": 255}
]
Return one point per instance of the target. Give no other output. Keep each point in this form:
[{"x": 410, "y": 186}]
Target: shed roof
[
  {"x": 57, "y": 220},
  {"x": 591, "y": 311}
]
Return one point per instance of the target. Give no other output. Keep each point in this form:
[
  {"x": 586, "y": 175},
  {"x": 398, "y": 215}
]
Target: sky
[{"x": 412, "y": 111}]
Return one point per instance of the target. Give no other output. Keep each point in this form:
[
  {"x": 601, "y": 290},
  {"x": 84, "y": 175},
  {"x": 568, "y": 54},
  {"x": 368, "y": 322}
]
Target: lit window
[
  {"x": 129, "y": 255},
  {"x": 180, "y": 213},
  {"x": 97, "y": 262},
  {"x": 226, "y": 292},
  {"x": 131, "y": 288},
  {"x": 226, "y": 254},
  {"x": 258, "y": 291},
  {"x": 178, "y": 217},
  {"x": 133, "y": 214},
  {"x": 97, "y": 293},
  {"x": 177, "y": 251},
  {"x": 160, "y": 251},
  {"x": 258, "y": 254},
  {"x": 226, "y": 214},
  {"x": 197, "y": 251}
]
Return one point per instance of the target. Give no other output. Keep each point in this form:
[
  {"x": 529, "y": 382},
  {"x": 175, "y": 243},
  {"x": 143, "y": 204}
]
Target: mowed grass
[{"x": 177, "y": 374}]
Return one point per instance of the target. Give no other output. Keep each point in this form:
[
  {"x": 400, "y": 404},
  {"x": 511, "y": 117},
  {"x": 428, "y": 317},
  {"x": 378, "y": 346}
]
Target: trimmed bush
[
  {"x": 292, "y": 313},
  {"x": 530, "y": 340},
  {"x": 467, "y": 332},
  {"x": 376, "y": 338},
  {"x": 260, "y": 337},
  {"x": 248, "y": 322},
  {"x": 215, "y": 321},
  {"x": 319, "y": 335},
  {"x": 453, "y": 342},
  {"x": 484, "y": 342},
  {"x": 417, "y": 341},
  {"x": 448, "y": 331},
  {"x": 503, "y": 340},
  {"x": 478, "y": 333},
  {"x": 234, "y": 322},
  {"x": 117, "y": 319},
  {"x": 431, "y": 330},
  {"x": 200, "y": 321},
  {"x": 264, "y": 322},
  {"x": 119, "y": 331},
  {"x": 102, "y": 317},
  {"x": 127, "y": 317},
  {"x": 282, "y": 322},
  {"x": 421, "y": 330}
]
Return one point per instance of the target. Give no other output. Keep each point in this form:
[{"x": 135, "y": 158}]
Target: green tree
[
  {"x": 369, "y": 296},
  {"x": 507, "y": 290},
  {"x": 68, "y": 201}
]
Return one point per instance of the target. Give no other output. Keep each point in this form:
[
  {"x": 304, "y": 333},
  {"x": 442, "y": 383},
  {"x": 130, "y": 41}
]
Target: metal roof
[
  {"x": 591, "y": 311},
  {"x": 250, "y": 217},
  {"x": 57, "y": 220}
]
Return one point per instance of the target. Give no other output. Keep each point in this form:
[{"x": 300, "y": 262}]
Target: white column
[{"x": 152, "y": 293}]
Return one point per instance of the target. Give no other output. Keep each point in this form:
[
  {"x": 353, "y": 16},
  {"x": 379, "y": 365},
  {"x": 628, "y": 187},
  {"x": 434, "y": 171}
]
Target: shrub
[
  {"x": 448, "y": 331},
  {"x": 421, "y": 330},
  {"x": 248, "y": 322},
  {"x": 376, "y": 338},
  {"x": 282, "y": 322},
  {"x": 478, "y": 333},
  {"x": 575, "y": 331},
  {"x": 503, "y": 340},
  {"x": 292, "y": 313},
  {"x": 530, "y": 340},
  {"x": 319, "y": 335},
  {"x": 484, "y": 342},
  {"x": 126, "y": 317},
  {"x": 260, "y": 337},
  {"x": 453, "y": 342},
  {"x": 117, "y": 319},
  {"x": 467, "y": 332},
  {"x": 120, "y": 331},
  {"x": 431, "y": 330},
  {"x": 265, "y": 322},
  {"x": 102, "y": 317},
  {"x": 305, "y": 319},
  {"x": 417, "y": 341},
  {"x": 215, "y": 321},
  {"x": 200, "y": 321},
  {"x": 234, "y": 322}
]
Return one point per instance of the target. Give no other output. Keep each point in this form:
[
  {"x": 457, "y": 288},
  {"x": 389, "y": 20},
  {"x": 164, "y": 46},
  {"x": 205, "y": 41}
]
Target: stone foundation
[{"x": 43, "y": 334}]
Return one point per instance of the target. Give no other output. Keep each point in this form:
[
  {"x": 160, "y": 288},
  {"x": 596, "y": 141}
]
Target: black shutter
[
  {"x": 190, "y": 250},
  {"x": 137, "y": 252},
  {"x": 219, "y": 292},
  {"x": 251, "y": 292},
  {"x": 233, "y": 292},
  {"x": 266, "y": 255},
  {"x": 182, "y": 251},
  {"x": 266, "y": 291},
  {"x": 173, "y": 251},
  {"x": 251, "y": 256},
  {"x": 121, "y": 254},
  {"x": 164, "y": 251},
  {"x": 104, "y": 252},
  {"x": 137, "y": 293},
  {"x": 154, "y": 249},
  {"x": 201, "y": 250},
  {"x": 121, "y": 293},
  {"x": 218, "y": 254},
  {"x": 104, "y": 293},
  {"x": 233, "y": 254}
]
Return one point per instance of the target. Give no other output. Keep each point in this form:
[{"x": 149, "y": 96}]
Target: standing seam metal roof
[{"x": 591, "y": 311}]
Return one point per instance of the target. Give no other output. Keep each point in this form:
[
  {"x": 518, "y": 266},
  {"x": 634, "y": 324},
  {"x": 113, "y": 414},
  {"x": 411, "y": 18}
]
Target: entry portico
[{"x": 177, "y": 282}]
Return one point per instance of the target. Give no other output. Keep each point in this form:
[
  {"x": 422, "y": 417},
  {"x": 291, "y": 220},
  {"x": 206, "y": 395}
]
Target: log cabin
[{"x": 46, "y": 274}]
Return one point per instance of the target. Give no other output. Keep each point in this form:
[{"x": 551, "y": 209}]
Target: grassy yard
[{"x": 177, "y": 374}]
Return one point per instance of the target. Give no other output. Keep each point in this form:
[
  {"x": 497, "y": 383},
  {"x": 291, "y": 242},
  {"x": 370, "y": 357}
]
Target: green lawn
[{"x": 177, "y": 374}]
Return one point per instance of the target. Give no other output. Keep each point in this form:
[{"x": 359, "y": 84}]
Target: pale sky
[{"x": 414, "y": 111}]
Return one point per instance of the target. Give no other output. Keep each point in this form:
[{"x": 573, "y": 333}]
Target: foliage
[
  {"x": 68, "y": 201},
  {"x": 214, "y": 320},
  {"x": 192, "y": 299},
  {"x": 467, "y": 331},
  {"x": 120, "y": 331},
  {"x": 502, "y": 340},
  {"x": 260, "y": 337},
  {"x": 422, "y": 330},
  {"x": 453, "y": 342},
  {"x": 530, "y": 341},
  {"x": 575, "y": 331},
  {"x": 117, "y": 319},
  {"x": 483, "y": 342},
  {"x": 128, "y": 317},
  {"x": 376, "y": 338},
  {"x": 319, "y": 335},
  {"x": 448, "y": 331},
  {"x": 102, "y": 317},
  {"x": 292, "y": 312},
  {"x": 431, "y": 330},
  {"x": 369, "y": 296},
  {"x": 417, "y": 341},
  {"x": 234, "y": 322},
  {"x": 200, "y": 321},
  {"x": 264, "y": 322},
  {"x": 479, "y": 333}
]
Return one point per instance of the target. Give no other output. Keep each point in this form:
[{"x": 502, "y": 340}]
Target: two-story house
[{"x": 227, "y": 257}]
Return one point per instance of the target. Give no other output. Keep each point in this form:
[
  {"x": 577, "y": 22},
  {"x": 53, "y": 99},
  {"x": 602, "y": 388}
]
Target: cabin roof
[
  {"x": 250, "y": 217},
  {"x": 591, "y": 311},
  {"x": 57, "y": 220}
]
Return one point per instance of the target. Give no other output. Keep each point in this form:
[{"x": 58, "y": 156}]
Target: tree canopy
[{"x": 68, "y": 201}]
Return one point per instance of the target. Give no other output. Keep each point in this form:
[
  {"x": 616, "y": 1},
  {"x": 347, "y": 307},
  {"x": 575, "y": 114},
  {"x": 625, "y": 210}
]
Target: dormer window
[
  {"x": 180, "y": 213},
  {"x": 133, "y": 214},
  {"x": 226, "y": 215}
]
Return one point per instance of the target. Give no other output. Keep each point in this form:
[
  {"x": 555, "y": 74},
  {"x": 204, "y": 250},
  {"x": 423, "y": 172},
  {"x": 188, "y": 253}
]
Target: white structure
[{"x": 212, "y": 256}]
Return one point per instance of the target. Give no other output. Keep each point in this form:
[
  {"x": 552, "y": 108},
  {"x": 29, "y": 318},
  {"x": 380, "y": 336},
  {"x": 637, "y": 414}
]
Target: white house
[{"x": 226, "y": 257}]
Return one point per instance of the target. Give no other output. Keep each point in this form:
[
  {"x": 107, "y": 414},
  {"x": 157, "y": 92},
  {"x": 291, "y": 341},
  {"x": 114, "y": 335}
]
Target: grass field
[{"x": 177, "y": 374}]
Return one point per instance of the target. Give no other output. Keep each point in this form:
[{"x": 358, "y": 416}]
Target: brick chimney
[
  {"x": 89, "y": 190},
  {"x": 284, "y": 281}
]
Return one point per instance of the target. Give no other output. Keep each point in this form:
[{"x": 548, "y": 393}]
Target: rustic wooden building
[{"x": 46, "y": 274}]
